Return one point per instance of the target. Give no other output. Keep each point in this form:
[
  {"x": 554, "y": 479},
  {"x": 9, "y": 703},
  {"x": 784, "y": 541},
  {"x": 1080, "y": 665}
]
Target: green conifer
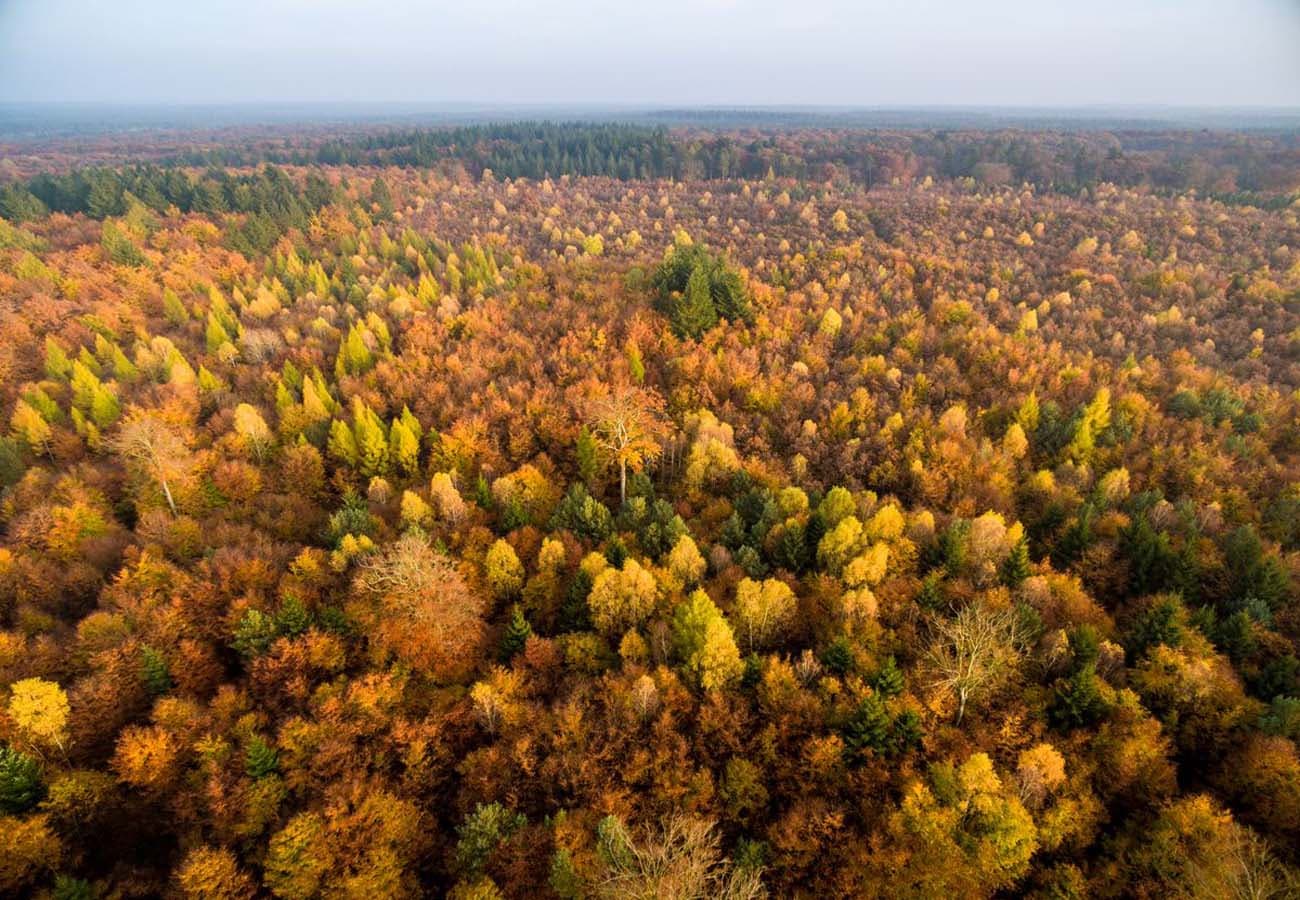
[
  {"x": 693, "y": 311},
  {"x": 516, "y": 635}
]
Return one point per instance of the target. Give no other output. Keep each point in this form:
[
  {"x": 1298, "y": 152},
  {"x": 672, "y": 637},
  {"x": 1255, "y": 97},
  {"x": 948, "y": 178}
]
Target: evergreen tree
[
  {"x": 1015, "y": 568},
  {"x": 371, "y": 440},
  {"x": 480, "y": 834},
  {"x": 412, "y": 425},
  {"x": 905, "y": 732},
  {"x": 582, "y": 514},
  {"x": 405, "y": 447},
  {"x": 292, "y": 618},
  {"x": 867, "y": 730},
  {"x": 215, "y": 333},
  {"x": 105, "y": 197},
  {"x": 1235, "y": 635},
  {"x": 889, "y": 681},
  {"x": 1077, "y": 701},
  {"x": 18, "y": 204},
  {"x": 516, "y": 635},
  {"x": 173, "y": 309},
  {"x": 792, "y": 551},
  {"x": 575, "y": 613},
  {"x": 564, "y": 878},
  {"x": 837, "y": 656},
  {"x": 342, "y": 444},
  {"x": 588, "y": 456},
  {"x": 693, "y": 311},
  {"x": 355, "y": 356},
  {"x": 119, "y": 248},
  {"x": 254, "y": 634},
  {"x": 57, "y": 364},
  {"x": 381, "y": 198},
  {"x": 154, "y": 671},
  {"x": 1160, "y": 621},
  {"x": 260, "y": 759},
  {"x": 931, "y": 597},
  {"x": 20, "y": 781},
  {"x": 104, "y": 408}
]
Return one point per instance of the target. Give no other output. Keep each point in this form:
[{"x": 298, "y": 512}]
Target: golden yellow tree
[{"x": 40, "y": 710}]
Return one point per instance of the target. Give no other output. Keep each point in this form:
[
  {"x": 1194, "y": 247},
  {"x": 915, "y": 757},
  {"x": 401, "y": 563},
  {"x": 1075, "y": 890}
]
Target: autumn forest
[{"x": 642, "y": 511}]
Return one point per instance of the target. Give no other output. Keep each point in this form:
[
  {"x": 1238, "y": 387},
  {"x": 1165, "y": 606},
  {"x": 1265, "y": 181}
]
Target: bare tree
[
  {"x": 973, "y": 651},
  {"x": 627, "y": 425},
  {"x": 1241, "y": 869},
  {"x": 679, "y": 860},
  {"x": 148, "y": 443},
  {"x": 419, "y": 608}
]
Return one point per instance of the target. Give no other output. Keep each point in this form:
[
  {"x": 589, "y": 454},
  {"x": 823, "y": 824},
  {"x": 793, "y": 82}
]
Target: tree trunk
[
  {"x": 622, "y": 483},
  {"x": 167, "y": 492}
]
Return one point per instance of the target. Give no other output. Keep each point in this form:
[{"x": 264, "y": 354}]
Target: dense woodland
[{"x": 598, "y": 511}]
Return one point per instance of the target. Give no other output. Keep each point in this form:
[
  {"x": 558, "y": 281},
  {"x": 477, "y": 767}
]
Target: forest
[{"x": 630, "y": 511}]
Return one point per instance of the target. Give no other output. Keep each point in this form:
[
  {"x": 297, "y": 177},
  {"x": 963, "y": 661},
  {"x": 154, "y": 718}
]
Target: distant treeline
[
  {"x": 1236, "y": 167},
  {"x": 1228, "y": 164},
  {"x": 518, "y": 150},
  {"x": 273, "y": 201}
]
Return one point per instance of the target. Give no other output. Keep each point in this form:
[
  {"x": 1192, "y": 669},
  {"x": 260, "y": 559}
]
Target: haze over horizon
[{"x": 828, "y": 53}]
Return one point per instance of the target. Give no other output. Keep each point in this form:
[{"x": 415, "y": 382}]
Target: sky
[{"x": 862, "y": 53}]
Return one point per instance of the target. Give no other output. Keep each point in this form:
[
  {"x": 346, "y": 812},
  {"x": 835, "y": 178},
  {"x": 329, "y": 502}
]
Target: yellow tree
[
  {"x": 705, "y": 642},
  {"x": 29, "y": 425},
  {"x": 40, "y": 710},
  {"x": 505, "y": 574},
  {"x": 252, "y": 429},
  {"x": 213, "y": 873},
  {"x": 622, "y": 598},
  {"x": 764, "y": 611}
]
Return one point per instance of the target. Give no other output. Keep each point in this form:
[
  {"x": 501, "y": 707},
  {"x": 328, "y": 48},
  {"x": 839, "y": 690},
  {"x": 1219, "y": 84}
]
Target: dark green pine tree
[
  {"x": 616, "y": 552},
  {"x": 1015, "y": 568},
  {"x": 930, "y": 597},
  {"x": 837, "y": 656},
  {"x": 729, "y": 295},
  {"x": 105, "y": 197},
  {"x": 381, "y": 198},
  {"x": 20, "y": 781},
  {"x": 868, "y": 729},
  {"x": 154, "y": 672},
  {"x": 260, "y": 759},
  {"x": 293, "y": 618},
  {"x": 1077, "y": 700},
  {"x": 889, "y": 680},
  {"x": 575, "y": 615},
  {"x": 1159, "y": 622},
  {"x": 906, "y": 732},
  {"x": 792, "y": 551},
  {"x": 1235, "y": 636},
  {"x": 483, "y": 492},
  {"x": 66, "y": 887},
  {"x": 17, "y": 204},
  {"x": 517, "y": 633},
  {"x": 694, "y": 312}
]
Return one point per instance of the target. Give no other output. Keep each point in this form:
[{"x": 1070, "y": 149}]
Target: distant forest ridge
[
  {"x": 1237, "y": 168},
  {"x": 44, "y": 120}
]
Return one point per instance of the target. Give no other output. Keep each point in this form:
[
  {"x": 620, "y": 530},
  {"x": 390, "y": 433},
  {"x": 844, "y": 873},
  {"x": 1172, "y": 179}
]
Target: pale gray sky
[{"x": 683, "y": 52}]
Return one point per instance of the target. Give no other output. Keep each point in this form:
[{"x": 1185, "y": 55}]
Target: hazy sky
[{"x": 828, "y": 52}]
